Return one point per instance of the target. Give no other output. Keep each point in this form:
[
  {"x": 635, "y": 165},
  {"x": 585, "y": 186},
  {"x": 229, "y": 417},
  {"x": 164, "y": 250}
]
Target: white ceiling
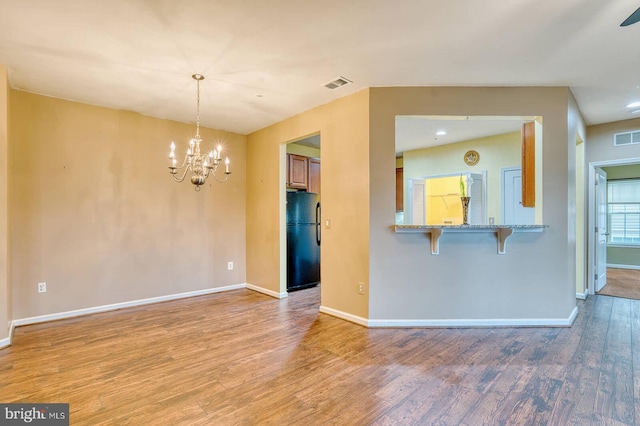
[
  {"x": 415, "y": 132},
  {"x": 265, "y": 61}
]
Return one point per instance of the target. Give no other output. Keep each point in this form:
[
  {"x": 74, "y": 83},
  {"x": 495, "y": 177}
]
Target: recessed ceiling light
[
  {"x": 441, "y": 133},
  {"x": 633, "y": 105}
]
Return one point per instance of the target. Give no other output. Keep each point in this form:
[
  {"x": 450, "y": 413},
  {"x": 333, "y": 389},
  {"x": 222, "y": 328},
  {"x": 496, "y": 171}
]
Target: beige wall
[
  {"x": 468, "y": 280},
  {"x": 5, "y": 294},
  {"x": 600, "y": 142},
  {"x": 344, "y": 131},
  {"x": 95, "y": 213},
  {"x": 599, "y": 149}
]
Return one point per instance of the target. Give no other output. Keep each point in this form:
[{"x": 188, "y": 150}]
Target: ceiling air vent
[
  {"x": 337, "y": 82},
  {"x": 626, "y": 138}
]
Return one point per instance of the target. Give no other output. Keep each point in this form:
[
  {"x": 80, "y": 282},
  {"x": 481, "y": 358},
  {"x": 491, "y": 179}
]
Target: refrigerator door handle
[{"x": 318, "y": 223}]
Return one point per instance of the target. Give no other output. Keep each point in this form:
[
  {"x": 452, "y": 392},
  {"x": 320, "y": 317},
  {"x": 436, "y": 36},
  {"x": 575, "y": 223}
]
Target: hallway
[{"x": 622, "y": 283}]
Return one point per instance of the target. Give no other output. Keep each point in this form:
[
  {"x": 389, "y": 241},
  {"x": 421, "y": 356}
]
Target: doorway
[
  {"x": 596, "y": 259},
  {"x": 513, "y": 213},
  {"x": 301, "y": 215}
]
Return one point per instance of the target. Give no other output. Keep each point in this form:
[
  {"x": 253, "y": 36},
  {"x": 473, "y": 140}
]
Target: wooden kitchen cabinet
[
  {"x": 297, "y": 171},
  {"x": 529, "y": 164},
  {"x": 399, "y": 189},
  {"x": 314, "y": 175}
]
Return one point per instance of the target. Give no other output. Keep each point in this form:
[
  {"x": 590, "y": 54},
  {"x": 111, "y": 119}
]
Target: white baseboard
[
  {"x": 116, "y": 306},
  {"x": 476, "y": 323},
  {"x": 5, "y": 342},
  {"x": 345, "y": 316},
  {"x": 582, "y": 296},
  {"x": 613, "y": 265},
  {"x": 267, "y": 291}
]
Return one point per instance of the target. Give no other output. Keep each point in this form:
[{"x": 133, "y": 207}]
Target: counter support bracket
[
  {"x": 503, "y": 234},
  {"x": 434, "y": 236}
]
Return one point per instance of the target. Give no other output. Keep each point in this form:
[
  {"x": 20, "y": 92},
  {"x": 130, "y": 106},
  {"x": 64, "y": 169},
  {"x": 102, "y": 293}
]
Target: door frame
[
  {"x": 591, "y": 214},
  {"x": 282, "y": 216}
]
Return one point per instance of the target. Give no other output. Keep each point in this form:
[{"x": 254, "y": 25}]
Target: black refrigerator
[{"x": 303, "y": 240}]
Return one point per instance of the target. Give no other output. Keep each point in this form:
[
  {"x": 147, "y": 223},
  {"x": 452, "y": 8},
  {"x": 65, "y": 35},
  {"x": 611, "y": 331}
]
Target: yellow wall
[
  {"x": 442, "y": 206},
  {"x": 344, "y": 130},
  {"x": 496, "y": 152},
  {"x": 95, "y": 213},
  {"x": 5, "y": 291}
]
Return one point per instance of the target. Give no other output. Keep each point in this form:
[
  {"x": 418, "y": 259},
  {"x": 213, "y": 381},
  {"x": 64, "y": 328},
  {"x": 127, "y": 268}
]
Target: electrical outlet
[
  {"x": 360, "y": 288},
  {"x": 42, "y": 287},
  {"x": 230, "y": 266}
]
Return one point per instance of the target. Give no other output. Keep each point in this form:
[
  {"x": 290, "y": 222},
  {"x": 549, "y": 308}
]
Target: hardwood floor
[
  {"x": 622, "y": 283},
  {"x": 245, "y": 358}
]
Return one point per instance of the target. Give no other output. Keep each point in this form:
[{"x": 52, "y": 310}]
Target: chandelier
[{"x": 200, "y": 166}]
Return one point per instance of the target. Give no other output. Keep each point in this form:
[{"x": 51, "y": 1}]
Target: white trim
[
  {"x": 344, "y": 315},
  {"x": 582, "y": 296},
  {"x": 591, "y": 206},
  {"x": 267, "y": 291},
  {"x": 5, "y": 342},
  {"x": 12, "y": 328},
  {"x": 613, "y": 265},
  {"x": 473, "y": 323},
  {"x": 116, "y": 306}
]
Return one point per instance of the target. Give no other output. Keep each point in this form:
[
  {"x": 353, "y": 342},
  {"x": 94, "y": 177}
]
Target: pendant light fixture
[{"x": 199, "y": 166}]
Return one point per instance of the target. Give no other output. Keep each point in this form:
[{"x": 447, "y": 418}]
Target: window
[
  {"x": 623, "y": 199},
  {"x": 626, "y": 138}
]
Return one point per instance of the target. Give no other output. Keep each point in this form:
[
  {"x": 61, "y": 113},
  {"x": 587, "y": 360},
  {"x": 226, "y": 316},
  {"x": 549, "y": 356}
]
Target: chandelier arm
[
  {"x": 184, "y": 162},
  {"x": 181, "y": 178},
  {"x": 218, "y": 179}
]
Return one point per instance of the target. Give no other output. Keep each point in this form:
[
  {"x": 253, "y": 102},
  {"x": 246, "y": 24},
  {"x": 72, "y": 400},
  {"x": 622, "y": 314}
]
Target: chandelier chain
[{"x": 198, "y": 110}]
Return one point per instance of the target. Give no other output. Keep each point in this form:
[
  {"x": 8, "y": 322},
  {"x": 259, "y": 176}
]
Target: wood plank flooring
[
  {"x": 622, "y": 283},
  {"x": 242, "y": 358}
]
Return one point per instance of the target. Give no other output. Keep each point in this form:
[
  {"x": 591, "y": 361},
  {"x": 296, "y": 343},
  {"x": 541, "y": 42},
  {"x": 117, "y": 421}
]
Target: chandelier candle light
[{"x": 201, "y": 165}]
